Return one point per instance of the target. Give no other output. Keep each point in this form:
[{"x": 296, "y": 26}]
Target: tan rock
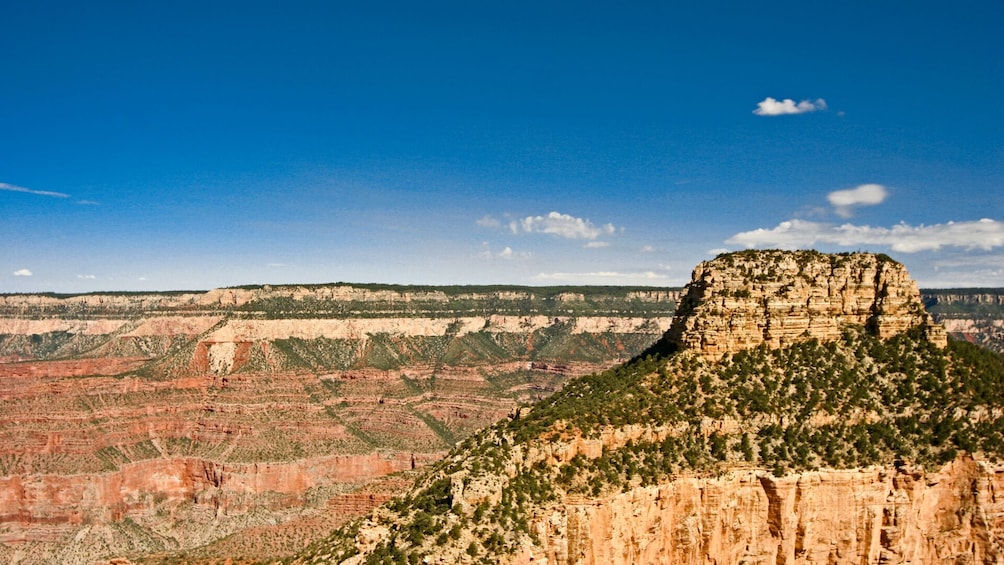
[
  {"x": 876, "y": 515},
  {"x": 741, "y": 300}
]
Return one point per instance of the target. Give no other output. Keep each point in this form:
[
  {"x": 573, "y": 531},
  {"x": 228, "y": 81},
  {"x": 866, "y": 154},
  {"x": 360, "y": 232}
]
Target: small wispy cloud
[
  {"x": 507, "y": 253},
  {"x": 561, "y": 225},
  {"x": 985, "y": 234},
  {"x": 844, "y": 201},
  {"x": 14, "y": 188},
  {"x": 773, "y": 107},
  {"x": 606, "y": 278},
  {"x": 647, "y": 249},
  {"x": 487, "y": 221},
  {"x": 22, "y": 273},
  {"x": 597, "y": 244},
  {"x": 277, "y": 265},
  {"x": 86, "y": 277}
]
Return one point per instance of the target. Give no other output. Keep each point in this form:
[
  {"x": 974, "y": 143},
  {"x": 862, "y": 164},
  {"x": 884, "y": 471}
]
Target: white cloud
[
  {"x": 13, "y": 188},
  {"x": 984, "y": 234},
  {"x": 487, "y": 221},
  {"x": 22, "y": 273},
  {"x": 507, "y": 254},
  {"x": 812, "y": 212},
  {"x": 647, "y": 249},
  {"x": 864, "y": 195},
  {"x": 597, "y": 244},
  {"x": 772, "y": 107},
  {"x": 561, "y": 225},
  {"x": 86, "y": 277},
  {"x": 973, "y": 270},
  {"x": 607, "y": 278}
]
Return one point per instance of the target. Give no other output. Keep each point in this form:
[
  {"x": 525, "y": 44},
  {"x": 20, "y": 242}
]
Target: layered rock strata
[
  {"x": 741, "y": 300},
  {"x": 875, "y": 515},
  {"x": 131, "y": 421}
]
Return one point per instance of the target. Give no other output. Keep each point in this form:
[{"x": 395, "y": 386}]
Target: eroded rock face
[
  {"x": 741, "y": 300},
  {"x": 875, "y": 515},
  {"x": 141, "y": 487}
]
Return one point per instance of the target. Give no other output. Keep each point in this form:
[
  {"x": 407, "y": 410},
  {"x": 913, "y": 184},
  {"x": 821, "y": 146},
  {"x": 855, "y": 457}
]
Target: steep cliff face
[
  {"x": 741, "y": 300},
  {"x": 158, "y": 485},
  {"x": 874, "y": 515}
]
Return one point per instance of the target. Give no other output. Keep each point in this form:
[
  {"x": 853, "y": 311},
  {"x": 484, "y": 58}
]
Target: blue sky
[{"x": 193, "y": 145}]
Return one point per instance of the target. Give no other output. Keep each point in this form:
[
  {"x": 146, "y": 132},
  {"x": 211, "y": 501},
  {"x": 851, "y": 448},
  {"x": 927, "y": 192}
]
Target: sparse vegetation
[{"x": 854, "y": 402}]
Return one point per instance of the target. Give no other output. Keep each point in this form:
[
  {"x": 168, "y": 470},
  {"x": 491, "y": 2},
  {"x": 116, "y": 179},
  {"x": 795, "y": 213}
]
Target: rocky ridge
[{"x": 876, "y": 442}]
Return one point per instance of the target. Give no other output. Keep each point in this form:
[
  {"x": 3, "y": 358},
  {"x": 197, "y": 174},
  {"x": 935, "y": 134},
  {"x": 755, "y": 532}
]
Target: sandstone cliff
[
  {"x": 741, "y": 300},
  {"x": 873, "y": 515}
]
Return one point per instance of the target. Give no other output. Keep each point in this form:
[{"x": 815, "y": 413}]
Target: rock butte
[
  {"x": 874, "y": 515},
  {"x": 776, "y": 298}
]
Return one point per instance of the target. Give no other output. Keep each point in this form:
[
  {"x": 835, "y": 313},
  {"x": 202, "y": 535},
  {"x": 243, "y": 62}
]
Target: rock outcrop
[
  {"x": 153, "y": 485},
  {"x": 741, "y": 300},
  {"x": 875, "y": 515}
]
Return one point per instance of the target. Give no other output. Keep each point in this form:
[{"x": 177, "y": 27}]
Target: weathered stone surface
[
  {"x": 141, "y": 487},
  {"x": 874, "y": 515},
  {"x": 741, "y": 300}
]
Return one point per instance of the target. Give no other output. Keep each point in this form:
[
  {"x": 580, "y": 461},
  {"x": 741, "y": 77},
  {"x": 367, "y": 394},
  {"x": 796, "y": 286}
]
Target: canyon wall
[
  {"x": 131, "y": 418},
  {"x": 874, "y": 515},
  {"x": 973, "y": 315},
  {"x": 59, "y": 503}
]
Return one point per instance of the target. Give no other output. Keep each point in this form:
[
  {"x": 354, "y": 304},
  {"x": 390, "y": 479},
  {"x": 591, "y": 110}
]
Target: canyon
[
  {"x": 162, "y": 424},
  {"x": 247, "y": 422},
  {"x": 802, "y": 408}
]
